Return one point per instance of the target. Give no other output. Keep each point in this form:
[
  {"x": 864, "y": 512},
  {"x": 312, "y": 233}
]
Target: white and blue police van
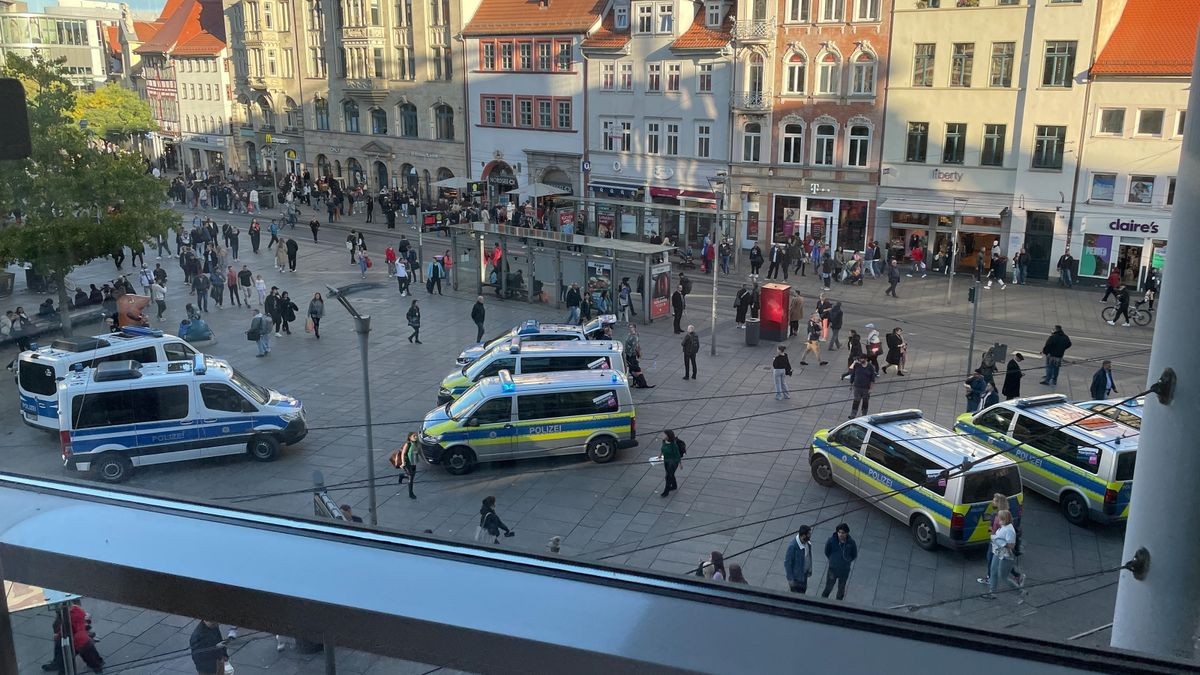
[
  {"x": 40, "y": 370},
  {"x": 122, "y": 414}
]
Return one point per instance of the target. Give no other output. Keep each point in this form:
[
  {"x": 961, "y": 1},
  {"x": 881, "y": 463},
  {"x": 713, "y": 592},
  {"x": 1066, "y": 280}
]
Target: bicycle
[{"x": 1138, "y": 315}]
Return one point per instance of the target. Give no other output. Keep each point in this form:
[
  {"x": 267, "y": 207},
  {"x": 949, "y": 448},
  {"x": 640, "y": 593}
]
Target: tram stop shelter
[{"x": 538, "y": 266}]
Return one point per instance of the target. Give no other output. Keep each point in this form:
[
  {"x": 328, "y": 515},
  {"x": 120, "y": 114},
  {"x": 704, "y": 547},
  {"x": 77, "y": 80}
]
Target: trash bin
[{"x": 752, "y": 331}]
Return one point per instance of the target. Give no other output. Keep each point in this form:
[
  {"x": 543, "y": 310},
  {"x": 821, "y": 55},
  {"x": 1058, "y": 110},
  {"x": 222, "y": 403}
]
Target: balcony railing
[
  {"x": 252, "y": 36},
  {"x": 754, "y": 30},
  {"x": 752, "y": 100}
]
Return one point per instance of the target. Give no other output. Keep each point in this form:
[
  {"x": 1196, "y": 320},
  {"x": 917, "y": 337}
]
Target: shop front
[
  {"x": 929, "y": 225},
  {"x": 205, "y": 153},
  {"x": 500, "y": 179},
  {"x": 840, "y": 223},
  {"x": 1134, "y": 244}
]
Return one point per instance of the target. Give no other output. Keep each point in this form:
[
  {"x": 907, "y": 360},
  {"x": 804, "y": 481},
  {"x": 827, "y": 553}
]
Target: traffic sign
[{"x": 586, "y": 166}]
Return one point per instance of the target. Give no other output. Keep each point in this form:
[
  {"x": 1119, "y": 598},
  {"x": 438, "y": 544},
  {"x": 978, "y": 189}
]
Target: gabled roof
[
  {"x": 534, "y": 17},
  {"x": 607, "y": 37},
  {"x": 699, "y": 37},
  {"x": 193, "y": 28},
  {"x": 1153, "y": 37},
  {"x": 144, "y": 31},
  {"x": 112, "y": 40}
]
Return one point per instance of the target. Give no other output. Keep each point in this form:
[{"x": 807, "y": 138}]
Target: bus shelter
[
  {"x": 629, "y": 220},
  {"x": 538, "y": 266}
]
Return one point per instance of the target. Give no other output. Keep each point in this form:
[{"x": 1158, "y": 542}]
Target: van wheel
[
  {"x": 821, "y": 471},
  {"x": 113, "y": 468},
  {"x": 601, "y": 450},
  {"x": 924, "y": 533},
  {"x": 263, "y": 448},
  {"x": 1074, "y": 508},
  {"x": 459, "y": 461}
]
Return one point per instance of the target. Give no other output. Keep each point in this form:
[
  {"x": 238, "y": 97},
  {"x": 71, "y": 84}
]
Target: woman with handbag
[
  {"x": 287, "y": 312},
  {"x": 414, "y": 320},
  {"x": 874, "y": 347},
  {"x": 897, "y": 349},
  {"x": 316, "y": 310},
  {"x": 490, "y": 522},
  {"x": 405, "y": 459}
]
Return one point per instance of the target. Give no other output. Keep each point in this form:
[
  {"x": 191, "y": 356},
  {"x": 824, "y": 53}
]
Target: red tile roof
[
  {"x": 607, "y": 37},
  {"x": 194, "y": 28},
  {"x": 145, "y": 30},
  {"x": 701, "y": 37},
  {"x": 1153, "y": 37},
  {"x": 530, "y": 17},
  {"x": 113, "y": 40}
]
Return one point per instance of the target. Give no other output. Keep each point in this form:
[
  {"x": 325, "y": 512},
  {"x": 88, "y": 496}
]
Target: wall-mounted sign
[
  {"x": 947, "y": 176},
  {"x": 1133, "y": 226}
]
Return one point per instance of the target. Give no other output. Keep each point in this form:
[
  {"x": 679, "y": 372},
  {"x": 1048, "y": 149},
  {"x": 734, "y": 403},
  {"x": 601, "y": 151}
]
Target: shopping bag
[{"x": 308, "y": 325}]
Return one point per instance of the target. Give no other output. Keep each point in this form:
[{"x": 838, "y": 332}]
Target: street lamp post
[
  {"x": 714, "y": 183},
  {"x": 362, "y": 326},
  {"x": 959, "y": 204}
]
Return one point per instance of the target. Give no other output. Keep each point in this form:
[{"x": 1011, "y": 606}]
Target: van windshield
[
  {"x": 464, "y": 404},
  {"x": 256, "y": 392},
  {"x": 979, "y": 486}
]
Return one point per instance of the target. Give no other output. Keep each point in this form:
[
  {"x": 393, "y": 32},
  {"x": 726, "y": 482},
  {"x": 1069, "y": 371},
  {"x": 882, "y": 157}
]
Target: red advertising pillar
[{"x": 775, "y": 298}]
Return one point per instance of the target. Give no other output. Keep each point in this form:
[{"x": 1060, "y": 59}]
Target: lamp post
[
  {"x": 959, "y": 204},
  {"x": 362, "y": 326},
  {"x": 717, "y": 185}
]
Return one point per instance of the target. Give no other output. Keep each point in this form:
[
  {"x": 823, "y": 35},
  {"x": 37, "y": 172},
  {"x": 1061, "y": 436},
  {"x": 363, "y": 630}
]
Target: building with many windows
[
  {"x": 658, "y": 114},
  {"x": 984, "y": 115},
  {"x": 1132, "y": 137},
  {"x": 76, "y": 32}
]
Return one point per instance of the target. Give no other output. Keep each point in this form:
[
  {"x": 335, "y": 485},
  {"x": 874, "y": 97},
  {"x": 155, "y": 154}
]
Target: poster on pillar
[{"x": 660, "y": 290}]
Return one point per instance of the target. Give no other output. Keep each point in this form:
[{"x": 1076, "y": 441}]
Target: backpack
[{"x": 681, "y": 446}]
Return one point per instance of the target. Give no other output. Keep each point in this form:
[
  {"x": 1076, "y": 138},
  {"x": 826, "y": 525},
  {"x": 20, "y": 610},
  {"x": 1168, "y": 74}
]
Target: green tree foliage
[
  {"x": 113, "y": 112},
  {"x": 71, "y": 202}
]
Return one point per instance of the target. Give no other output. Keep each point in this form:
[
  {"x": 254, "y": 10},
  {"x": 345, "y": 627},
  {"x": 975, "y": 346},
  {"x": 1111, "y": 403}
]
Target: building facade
[
  {"x": 74, "y": 32},
  {"x": 659, "y": 75}
]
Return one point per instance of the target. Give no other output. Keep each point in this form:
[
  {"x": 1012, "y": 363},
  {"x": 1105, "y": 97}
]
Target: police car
[
  {"x": 1084, "y": 462},
  {"x": 527, "y": 416},
  {"x": 938, "y": 484},
  {"x": 519, "y": 358},
  {"x": 1128, "y": 413},
  {"x": 533, "y": 331}
]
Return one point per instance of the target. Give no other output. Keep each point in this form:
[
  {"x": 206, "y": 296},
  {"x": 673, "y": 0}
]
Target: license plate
[{"x": 30, "y": 415}]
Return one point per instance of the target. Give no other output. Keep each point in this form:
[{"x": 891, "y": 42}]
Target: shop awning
[
  {"x": 941, "y": 207},
  {"x": 620, "y": 190},
  {"x": 698, "y": 196}
]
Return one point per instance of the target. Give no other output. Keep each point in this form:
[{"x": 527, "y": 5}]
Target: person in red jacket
[
  {"x": 1114, "y": 281},
  {"x": 81, "y": 640},
  {"x": 389, "y": 256}
]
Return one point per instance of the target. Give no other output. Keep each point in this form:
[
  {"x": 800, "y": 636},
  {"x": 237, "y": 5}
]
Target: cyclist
[{"x": 1122, "y": 305}]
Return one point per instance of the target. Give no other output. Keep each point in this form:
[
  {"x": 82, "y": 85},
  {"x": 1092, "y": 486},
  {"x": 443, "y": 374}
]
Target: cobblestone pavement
[{"x": 745, "y": 484}]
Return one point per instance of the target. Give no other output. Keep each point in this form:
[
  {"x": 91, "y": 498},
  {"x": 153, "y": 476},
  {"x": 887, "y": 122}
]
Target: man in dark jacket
[
  {"x": 691, "y": 347},
  {"x": 798, "y": 562},
  {"x": 893, "y": 277},
  {"x": 1102, "y": 382},
  {"x": 678, "y": 304},
  {"x": 862, "y": 375},
  {"x": 208, "y": 649},
  {"x": 292, "y": 249},
  {"x": 841, "y": 551},
  {"x": 477, "y": 314},
  {"x": 1012, "y": 377},
  {"x": 1056, "y": 346},
  {"x": 573, "y": 299},
  {"x": 1122, "y": 306}
]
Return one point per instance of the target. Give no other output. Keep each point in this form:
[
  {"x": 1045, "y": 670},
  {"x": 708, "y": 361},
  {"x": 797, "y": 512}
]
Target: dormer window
[
  {"x": 621, "y": 17},
  {"x": 712, "y": 15}
]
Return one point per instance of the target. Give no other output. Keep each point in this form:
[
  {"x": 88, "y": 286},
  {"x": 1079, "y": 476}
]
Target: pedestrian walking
[
  {"x": 897, "y": 351},
  {"x": 413, "y": 316},
  {"x": 826, "y": 271},
  {"x": 862, "y": 377},
  {"x": 231, "y": 283},
  {"x": 691, "y": 347},
  {"x": 260, "y": 287},
  {"x": 781, "y": 368},
  {"x": 273, "y": 228},
  {"x": 145, "y": 279},
  {"x": 405, "y": 459},
  {"x": 389, "y": 257},
  {"x": 478, "y": 313},
  {"x": 216, "y": 287},
  {"x": 1102, "y": 382},
  {"x": 1012, "y": 377},
  {"x": 893, "y": 277},
  {"x": 260, "y": 332},
  {"x": 351, "y": 243},
  {"x": 1066, "y": 267},
  {"x": 756, "y": 260},
  {"x": 854, "y": 349},
  {"x": 741, "y": 304},
  {"x": 402, "y": 276},
  {"x": 976, "y": 386},
  {"x": 255, "y": 235},
  {"x": 1003, "y": 545},
  {"x": 281, "y": 259},
  {"x": 1000, "y": 503},
  {"x": 292, "y": 249},
  {"x": 671, "y": 454},
  {"x": 874, "y": 345},
  {"x": 436, "y": 273},
  {"x": 208, "y": 648},
  {"x": 274, "y": 310},
  {"x": 1113, "y": 285},
  {"x": 718, "y": 565},
  {"x": 364, "y": 263},
  {"x": 235, "y": 241},
  {"x": 795, "y": 312},
  {"x": 489, "y": 521},
  {"x": 678, "y": 304},
  {"x": 798, "y": 561},
  {"x": 776, "y": 259},
  {"x": 841, "y": 551},
  {"x": 835, "y": 326},
  {"x": 813, "y": 343},
  {"x": 315, "y": 226},
  {"x": 316, "y": 311},
  {"x": 1122, "y": 306},
  {"x": 823, "y": 307},
  {"x": 1055, "y": 348},
  {"x": 996, "y": 272},
  {"x": 159, "y": 295}
]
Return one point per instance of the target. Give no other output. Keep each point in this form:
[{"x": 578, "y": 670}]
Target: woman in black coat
[
  {"x": 414, "y": 321},
  {"x": 896, "y": 347},
  {"x": 287, "y": 311},
  {"x": 1012, "y": 377}
]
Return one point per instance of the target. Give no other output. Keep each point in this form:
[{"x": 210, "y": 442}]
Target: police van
[
  {"x": 1126, "y": 412},
  {"x": 122, "y": 414},
  {"x": 39, "y": 371},
  {"x": 533, "y": 331},
  {"x": 1082, "y": 461},
  {"x": 519, "y": 358},
  {"x": 525, "y": 416},
  {"x": 924, "y": 475}
]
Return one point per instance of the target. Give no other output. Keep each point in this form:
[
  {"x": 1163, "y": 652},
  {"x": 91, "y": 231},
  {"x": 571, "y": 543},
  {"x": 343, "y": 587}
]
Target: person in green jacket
[{"x": 671, "y": 458}]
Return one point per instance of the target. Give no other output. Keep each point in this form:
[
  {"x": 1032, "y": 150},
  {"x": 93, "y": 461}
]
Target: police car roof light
[
  {"x": 514, "y": 347},
  {"x": 530, "y": 327},
  {"x": 506, "y": 382},
  {"x": 141, "y": 331},
  {"x": 111, "y": 371},
  {"x": 199, "y": 367},
  {"x": 1044, "y": 399},
  {"x": 896, "y": 416}
]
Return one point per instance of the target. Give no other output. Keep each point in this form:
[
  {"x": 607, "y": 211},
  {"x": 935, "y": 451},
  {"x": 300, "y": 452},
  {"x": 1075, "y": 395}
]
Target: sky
[{"x": 139, "y": 6}]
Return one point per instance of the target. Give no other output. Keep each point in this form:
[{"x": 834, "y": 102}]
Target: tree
[
  {"x": 113, "y": 112},
  {"x": 72, "y": 201}
]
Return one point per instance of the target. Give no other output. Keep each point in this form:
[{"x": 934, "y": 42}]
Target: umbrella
[
  {"x": 452, "y": 183},
  {"x": 537, "y": 190}
]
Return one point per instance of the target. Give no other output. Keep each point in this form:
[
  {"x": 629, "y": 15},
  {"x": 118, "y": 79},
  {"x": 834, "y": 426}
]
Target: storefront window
[
  {"x": 1158, "y": 255},
  {"x": 788, "y": 220},
  {"x": 1096, "y": 257},
  {"x": 852, "y": 225}
]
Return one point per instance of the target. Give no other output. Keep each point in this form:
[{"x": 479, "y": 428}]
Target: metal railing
[
  {"x": 753, "y": 30},
  {"x": 752, "y": 100}
]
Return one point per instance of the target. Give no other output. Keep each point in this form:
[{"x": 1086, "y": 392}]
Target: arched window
[
  {"x": 268, "y": 115},
  {"x": 863, "y": 75},
  {"x": 823, "y": 142},
  {"x": 752, "y": 142},
  {"x": 378, "y": 121},
  {"x": 858, "y": 145},
  {"x": 408, "y": 120},
  {"x": 321, "y": 112},
  {"x": 444, "y": 118},
  {"x": 350, "y": 115},
  {"x": 795, "y": 74},
  {"x": 292, "y": 112},
  {"x": 793, "y": 144},
  {"x": 828, "y": 74}
]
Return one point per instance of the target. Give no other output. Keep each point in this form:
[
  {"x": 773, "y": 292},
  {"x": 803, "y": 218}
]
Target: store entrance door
[
  {"x": 1129, "y": 264},
  {"x": 1039, "y": 237}
]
